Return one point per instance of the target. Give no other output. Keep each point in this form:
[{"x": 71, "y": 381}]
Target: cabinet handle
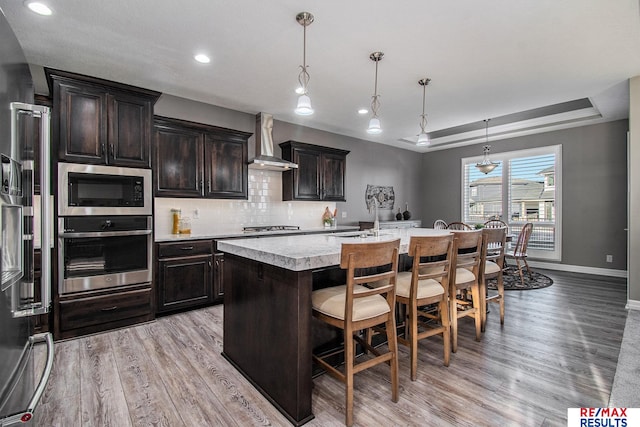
[
  {"x": 187, "y": 248},
  {"x": 102, "y": 150},
  {"x": 109, "y": 308},
  {"x": 209, "y": 185},
  {"x": 112, "y": 149},
  {"x": 210, "y": 266}
]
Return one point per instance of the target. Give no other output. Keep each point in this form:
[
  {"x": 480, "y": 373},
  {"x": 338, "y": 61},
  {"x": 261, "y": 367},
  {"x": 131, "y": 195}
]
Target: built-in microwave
[{"x": 103, "y": 190}]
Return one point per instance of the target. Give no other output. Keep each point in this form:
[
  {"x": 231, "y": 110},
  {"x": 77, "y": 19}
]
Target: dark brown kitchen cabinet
[
  {"x": 100, "y": 311},
  {"x": 178, "y": 164},
  {"x": 101, "y": 122},
  {"x": 184, "y": 274},
  {"x": 218, "y": 272},
  {"x": 320, "y": 174},
  {"x": 197, "y": 160}
]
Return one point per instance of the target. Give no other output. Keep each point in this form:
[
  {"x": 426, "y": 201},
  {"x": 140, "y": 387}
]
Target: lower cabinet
[
  {"x": 218, "y": 273},
  {"x": 97, "y": 312},
  {"x": 185, "y": 275}
]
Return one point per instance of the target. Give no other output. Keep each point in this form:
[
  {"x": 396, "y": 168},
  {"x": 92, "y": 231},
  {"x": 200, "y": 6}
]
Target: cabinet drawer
[
  {"x": 186, "y": 248},
  {"x": 89, "y": 311}
]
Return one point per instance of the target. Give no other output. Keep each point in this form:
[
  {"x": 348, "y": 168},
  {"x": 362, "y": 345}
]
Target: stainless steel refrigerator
[{"x": 20, "y": 385}]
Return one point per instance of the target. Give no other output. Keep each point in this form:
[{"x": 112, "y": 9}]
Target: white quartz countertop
[
  {"x": 166, "y": 237},
  {"x": 311, "y": 251}
]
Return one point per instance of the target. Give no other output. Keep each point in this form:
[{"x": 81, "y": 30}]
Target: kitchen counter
[
  {"x": 268, "y": 334},
  {"x": 305, "y": 252},
  {"x": 167, "y": 237}
]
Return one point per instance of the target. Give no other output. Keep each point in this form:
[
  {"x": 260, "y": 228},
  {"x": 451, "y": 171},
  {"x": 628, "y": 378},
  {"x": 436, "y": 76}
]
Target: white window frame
[{"x": 503, "y": 158}]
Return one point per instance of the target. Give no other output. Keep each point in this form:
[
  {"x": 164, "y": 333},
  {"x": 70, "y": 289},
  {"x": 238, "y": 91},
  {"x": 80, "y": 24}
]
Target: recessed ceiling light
[
  {"x": 202, "y": 58},
  {"x": 363, "y": 111},
  {"x": 39, "y": 8}
]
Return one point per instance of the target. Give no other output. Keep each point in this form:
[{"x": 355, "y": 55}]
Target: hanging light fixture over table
[
  {"x": 374, "y": 123},
  {"x": 486, "y": 165},
  {"x": 304, "y": 102},
  {"x": 423, "y": 138}
]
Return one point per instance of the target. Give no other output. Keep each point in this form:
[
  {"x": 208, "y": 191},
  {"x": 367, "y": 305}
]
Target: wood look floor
[{"x": 558, "y": 349}]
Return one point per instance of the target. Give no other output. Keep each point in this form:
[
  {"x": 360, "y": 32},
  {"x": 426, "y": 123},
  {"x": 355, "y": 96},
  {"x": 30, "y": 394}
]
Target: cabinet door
[
  {"x": 226, "y": 170},
  {"x": 184, "y": 282},
  {"x": 306, "y": 179},
  {"x": 333, "y": 173},
  {"x": 82, "y": 122},
  {"x": 129, "y": 119},
  {"x": 218, "y": 277},
  {"x": 178, "y": 166}
]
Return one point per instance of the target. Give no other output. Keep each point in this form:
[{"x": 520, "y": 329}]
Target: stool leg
[
  {"x": 348, "y": 375},
  {"x": 453, "y": 314},
  {"x": 446, "y": 324}
]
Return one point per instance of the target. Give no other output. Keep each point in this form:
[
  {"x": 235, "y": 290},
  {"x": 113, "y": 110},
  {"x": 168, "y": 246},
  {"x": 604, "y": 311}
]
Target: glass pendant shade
[
  {"x": 485, "y": 168},
  {"x": 486, "y": 165},
  {"x": 374, "y": 126},
  {"x": 423, "y": 139},
  {"x": 304, "y": 106},
  {"x": 304, "y": 102}
]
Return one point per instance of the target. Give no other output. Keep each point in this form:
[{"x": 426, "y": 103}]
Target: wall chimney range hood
[{"x": 265, "y": 159}]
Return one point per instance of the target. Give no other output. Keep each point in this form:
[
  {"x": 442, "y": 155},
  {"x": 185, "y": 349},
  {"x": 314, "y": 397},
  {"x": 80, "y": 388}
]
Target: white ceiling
[{"x": 486, "y": 58}]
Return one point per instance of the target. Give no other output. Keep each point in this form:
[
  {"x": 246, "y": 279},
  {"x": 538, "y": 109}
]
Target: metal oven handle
[{"x": 105, "y": 234}]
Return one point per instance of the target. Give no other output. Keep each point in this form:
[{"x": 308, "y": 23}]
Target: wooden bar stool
[
  {"x": 427, "y": 283},
  {"x": 354, "y": 307},
  {"x": 464, "y": 280}
]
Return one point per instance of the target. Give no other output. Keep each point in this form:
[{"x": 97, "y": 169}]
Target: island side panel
[{"x": 267, "y": 331}]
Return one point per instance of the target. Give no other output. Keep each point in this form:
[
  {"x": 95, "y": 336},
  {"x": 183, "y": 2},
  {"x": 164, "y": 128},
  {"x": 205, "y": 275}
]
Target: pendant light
[
  {"x": 304, "y": 102},
  {"x": 423, "y": 138},
  {"x": 374, "y": 123},
  {"x": 486, "y": 165}
]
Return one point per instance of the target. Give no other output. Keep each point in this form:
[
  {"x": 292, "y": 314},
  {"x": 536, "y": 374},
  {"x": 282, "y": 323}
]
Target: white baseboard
[
  {"x": 579, "y": 269},
  {"x": 632, "y": 305}
]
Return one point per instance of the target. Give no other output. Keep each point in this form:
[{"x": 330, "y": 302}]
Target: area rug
[{"x": 511, "y": 279}]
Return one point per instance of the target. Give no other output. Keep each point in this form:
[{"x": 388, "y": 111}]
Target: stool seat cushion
[
  {"x": 464, "y": 276},
  {"x": 331, "y": 301},
  {"x": 426, "y": 288},
  {"x": 491, "y": 267}
]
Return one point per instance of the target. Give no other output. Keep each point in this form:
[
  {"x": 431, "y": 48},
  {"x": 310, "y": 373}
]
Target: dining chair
[
  {"x": 491, "y": 266},
  {"x": 440, "y": 224},
  {"x": 353, "y": 307},
  {"x": 496, "y": 223},
  {"x": 426, "y": 284},
  {"x": 464, "y": 279},
  {"x": 457, "y": 225},
  {"x": 519, "y": 251}
]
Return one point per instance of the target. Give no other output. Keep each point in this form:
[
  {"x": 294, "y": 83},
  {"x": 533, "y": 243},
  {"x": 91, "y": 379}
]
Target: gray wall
[{"x": 594, "y": 188}]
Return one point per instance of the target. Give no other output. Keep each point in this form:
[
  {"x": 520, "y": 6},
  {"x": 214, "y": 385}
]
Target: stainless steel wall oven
[{"x": 99, "y": 252}]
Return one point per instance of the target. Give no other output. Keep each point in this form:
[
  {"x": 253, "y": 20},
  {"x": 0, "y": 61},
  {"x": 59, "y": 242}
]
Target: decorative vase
[
  {"x": 406, "y": 214},
  {"x": 399, "y": 215}
]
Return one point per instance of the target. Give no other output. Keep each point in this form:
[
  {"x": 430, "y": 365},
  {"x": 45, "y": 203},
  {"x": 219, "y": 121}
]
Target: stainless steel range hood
[{"x": 264, "y": 147}]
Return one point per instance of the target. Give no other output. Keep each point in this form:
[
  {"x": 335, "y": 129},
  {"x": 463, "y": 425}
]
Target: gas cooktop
[{"x": 258, "y": 228}]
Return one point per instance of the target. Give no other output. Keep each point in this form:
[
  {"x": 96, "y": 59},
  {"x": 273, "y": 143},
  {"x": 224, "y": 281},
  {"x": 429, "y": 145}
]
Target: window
[{"x": 525, "y": 187}]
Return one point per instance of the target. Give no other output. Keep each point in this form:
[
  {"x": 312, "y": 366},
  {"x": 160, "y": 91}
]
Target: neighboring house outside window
[{"x": 524, "y": 188}]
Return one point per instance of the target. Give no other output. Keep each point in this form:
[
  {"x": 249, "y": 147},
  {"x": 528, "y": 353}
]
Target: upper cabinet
[
  {"x": 197, "y": 160},
  {"x": 101, "y": 122},
  {"x": 320, "y": 174}
]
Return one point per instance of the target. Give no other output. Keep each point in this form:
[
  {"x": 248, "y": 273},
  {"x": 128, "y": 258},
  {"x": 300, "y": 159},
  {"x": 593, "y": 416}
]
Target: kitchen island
[{"x": 268, "y": 333}]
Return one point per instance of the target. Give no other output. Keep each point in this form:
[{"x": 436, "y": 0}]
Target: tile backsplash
[{"x": 264, "y": 206}]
